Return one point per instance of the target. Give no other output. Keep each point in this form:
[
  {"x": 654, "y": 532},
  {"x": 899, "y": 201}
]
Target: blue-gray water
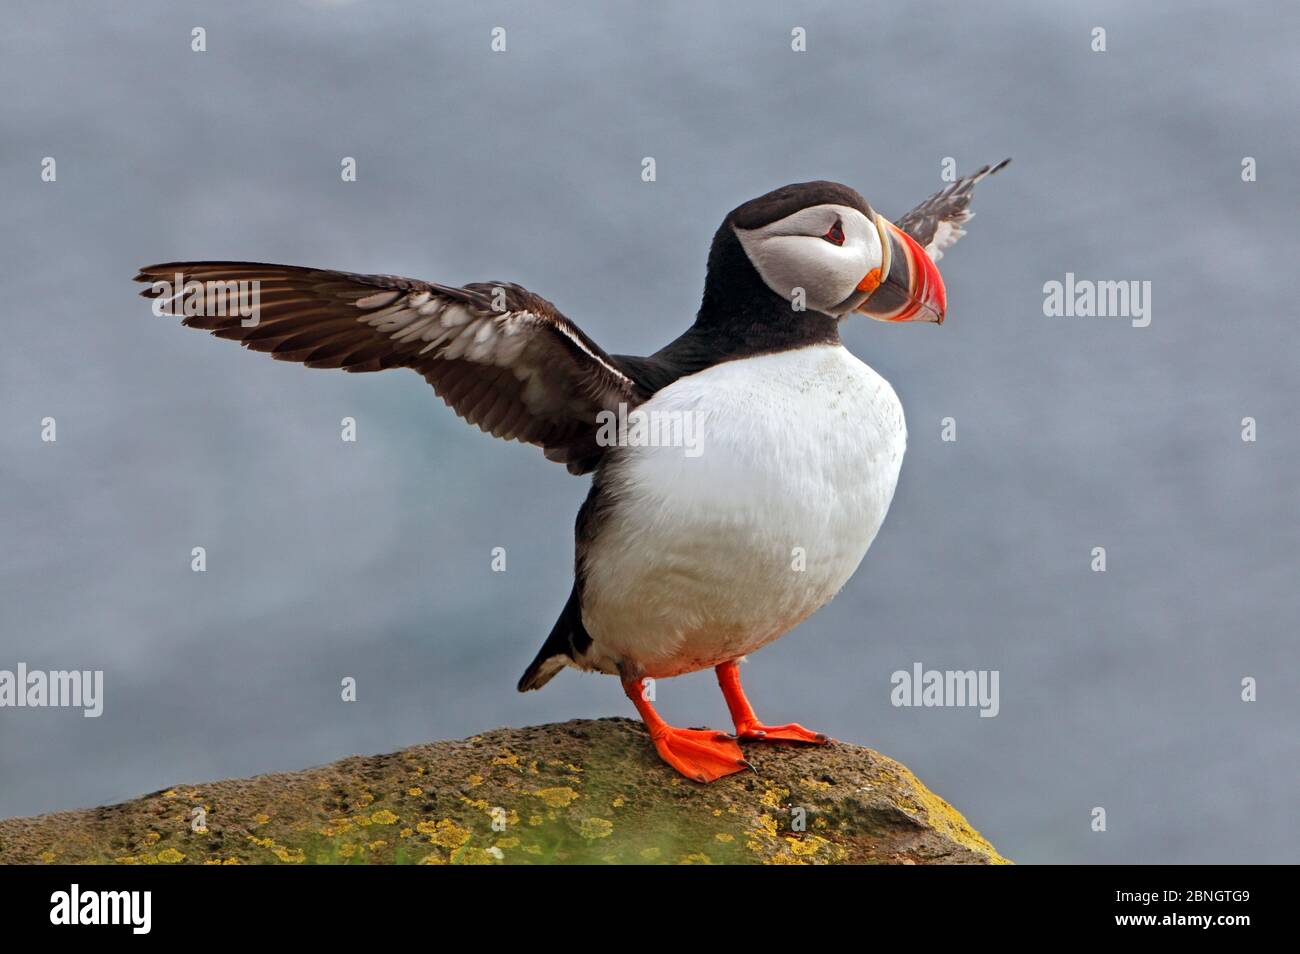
[{"x": 328, "y": 559}]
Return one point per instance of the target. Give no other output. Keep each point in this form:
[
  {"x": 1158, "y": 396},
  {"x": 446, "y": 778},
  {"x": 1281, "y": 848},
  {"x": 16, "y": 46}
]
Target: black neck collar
[{"x": 739, "y": 317}]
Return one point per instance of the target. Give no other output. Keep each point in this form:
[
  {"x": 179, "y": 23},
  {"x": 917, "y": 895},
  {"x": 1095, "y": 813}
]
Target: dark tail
[{"x": 568, "y": 637}]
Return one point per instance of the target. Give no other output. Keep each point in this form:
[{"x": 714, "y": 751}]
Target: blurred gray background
[{"x": 328, "y": 559}]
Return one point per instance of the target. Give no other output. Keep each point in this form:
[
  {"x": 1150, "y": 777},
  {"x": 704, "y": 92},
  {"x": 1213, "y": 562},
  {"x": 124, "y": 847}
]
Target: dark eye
[{"x": 835, "y": 234}]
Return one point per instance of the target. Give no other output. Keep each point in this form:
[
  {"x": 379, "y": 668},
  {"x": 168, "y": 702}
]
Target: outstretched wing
[
  {"x": 937, "y": 222},
  {"x": 500, "y": 356}
]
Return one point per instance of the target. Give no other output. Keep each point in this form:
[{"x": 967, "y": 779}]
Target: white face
[{"x": 800, "y": 251}]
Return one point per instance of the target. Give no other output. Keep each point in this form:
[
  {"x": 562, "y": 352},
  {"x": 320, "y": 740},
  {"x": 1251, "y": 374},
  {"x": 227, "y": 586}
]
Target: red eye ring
[{"x": 835, "y": 234}]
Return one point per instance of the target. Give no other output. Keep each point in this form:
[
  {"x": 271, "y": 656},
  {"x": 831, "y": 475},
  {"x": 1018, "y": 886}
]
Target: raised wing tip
[
  {"x": 162, "y": 267},
  {"x": 146, "y": 275},
  {"x": 150, "y": 273}
]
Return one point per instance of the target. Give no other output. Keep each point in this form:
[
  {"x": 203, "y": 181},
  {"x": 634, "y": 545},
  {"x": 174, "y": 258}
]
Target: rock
[{"x": 581, "y": 791}]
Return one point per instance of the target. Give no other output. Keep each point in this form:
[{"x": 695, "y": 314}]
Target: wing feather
[
  {"x": 936, "y": 223},
  {"x": 501, "y": 357}
]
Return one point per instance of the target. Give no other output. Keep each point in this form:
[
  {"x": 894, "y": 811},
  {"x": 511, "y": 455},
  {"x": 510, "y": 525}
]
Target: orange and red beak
[{"x": 907, "y": 286}]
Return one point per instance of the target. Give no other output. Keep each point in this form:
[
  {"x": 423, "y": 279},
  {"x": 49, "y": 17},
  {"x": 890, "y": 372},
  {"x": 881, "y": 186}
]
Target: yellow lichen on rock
[
  {"x": 593, "y": 828},
  {"x": 933, "y": 811},
  {"x": 447, "y": 834},
  {"x": 557, "y": 797}
]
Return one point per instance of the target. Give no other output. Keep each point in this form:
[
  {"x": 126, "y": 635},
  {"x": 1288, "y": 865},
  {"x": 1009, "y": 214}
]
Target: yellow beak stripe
[{"x": 886, "y": 247}]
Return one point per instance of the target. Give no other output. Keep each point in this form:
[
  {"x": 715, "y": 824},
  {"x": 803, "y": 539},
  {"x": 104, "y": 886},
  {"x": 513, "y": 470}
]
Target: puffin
[{"x": 687, "y": 556}]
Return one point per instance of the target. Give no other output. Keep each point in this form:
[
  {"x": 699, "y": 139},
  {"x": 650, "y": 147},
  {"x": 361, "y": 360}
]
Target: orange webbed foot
[
  {"x": 702, "y": 755},
  {"x": 791, "y": 732},
  {"x": 748, "y": 728}
]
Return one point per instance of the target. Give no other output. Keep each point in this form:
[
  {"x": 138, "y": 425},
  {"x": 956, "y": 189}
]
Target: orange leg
[
  {"x": 748, "y": 728},
  {"x": 702, "y": 755}
]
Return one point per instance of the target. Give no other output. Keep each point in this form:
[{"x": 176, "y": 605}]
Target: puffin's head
[{"x": 822, "y": 246}]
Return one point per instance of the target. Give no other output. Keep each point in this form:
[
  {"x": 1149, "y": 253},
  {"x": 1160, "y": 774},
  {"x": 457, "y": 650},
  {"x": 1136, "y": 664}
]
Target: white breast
[{"x": 703, "y": 559}]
